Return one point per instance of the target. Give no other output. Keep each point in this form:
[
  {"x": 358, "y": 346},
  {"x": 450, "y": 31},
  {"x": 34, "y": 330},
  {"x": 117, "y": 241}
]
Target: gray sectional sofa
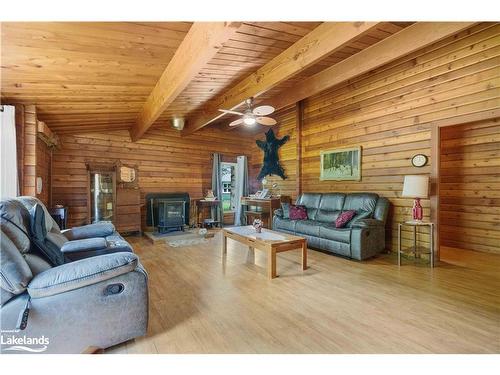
[
  {"x": 363, "y": 236},
  {"x": 55, "y": 304}
]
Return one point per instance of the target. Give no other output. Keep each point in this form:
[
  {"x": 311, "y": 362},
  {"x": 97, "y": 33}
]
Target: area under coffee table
[{"x": 268, "y": 240}]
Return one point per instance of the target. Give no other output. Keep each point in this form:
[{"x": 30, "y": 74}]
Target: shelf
[
  {"x": 259, "y": 213},
  {"x": 420, "y": 250}
]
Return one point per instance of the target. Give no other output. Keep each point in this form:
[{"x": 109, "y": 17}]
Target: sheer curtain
[
  {"x": 8, "y": 165},
  {"x": 217, "y": 214},
  {"x": 241, "y": 189}
]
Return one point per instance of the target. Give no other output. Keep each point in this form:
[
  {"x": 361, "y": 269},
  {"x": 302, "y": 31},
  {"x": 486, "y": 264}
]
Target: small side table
[
  {"x": 202, "y": 204},
  {"x": 60, "y": 215},
  {"x": 415, "y": 225}
]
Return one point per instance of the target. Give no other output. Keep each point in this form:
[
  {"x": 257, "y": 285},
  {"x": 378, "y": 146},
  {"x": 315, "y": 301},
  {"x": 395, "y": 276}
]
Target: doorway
[
  {"x": 228, "y": 178},
  {"x": 468, "y": 186}
]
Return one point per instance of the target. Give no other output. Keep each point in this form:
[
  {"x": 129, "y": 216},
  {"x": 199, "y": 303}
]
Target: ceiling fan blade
[
  {"x": 236, "y": 122},
  {"x": 263, "y": 110},
  {"x": 232, "y": 112},
  {"x": 268, "y": 121}
]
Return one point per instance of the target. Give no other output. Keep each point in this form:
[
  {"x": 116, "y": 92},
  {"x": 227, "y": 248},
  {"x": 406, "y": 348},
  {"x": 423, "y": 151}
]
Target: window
[
  {"x": 8, "y": 165},
  {"x": 228, "y": 183}
]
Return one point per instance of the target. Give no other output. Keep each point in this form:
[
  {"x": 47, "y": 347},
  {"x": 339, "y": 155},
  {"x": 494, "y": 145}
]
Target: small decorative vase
[
  {"x": 257, "y": 224},
  {"x": 417, "y": 211}
]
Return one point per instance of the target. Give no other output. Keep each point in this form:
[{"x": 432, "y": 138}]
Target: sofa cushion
[
  {"x": 335, "y": 234},
  {"x": 381, "y": 209},
  {"x": 360, "y": 202},
  {"x": 330, "y": 207},
  {"x": 285, "y": 224},
  {"x": 359, "y": 216},
  {"x": 16, "y": 224},
  {"x": 16, "y": 273},
  {"x": 285, "y": 207},
  {"x": 102, "y": 229},
  {"x": 332, "y": 201},
  {"x": 311, "y": 201},
  {"x": 344, "y": 218},
  {"x": 87, "y": 244},
  {"x": 309, "y": 227}
]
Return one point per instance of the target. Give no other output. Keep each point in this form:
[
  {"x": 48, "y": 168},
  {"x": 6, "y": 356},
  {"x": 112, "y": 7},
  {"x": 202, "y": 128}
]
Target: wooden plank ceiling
[{"x": 96, "y": 76}]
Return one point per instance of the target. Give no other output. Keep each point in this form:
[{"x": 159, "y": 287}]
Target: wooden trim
[
  {"x": 199, "y": 46},
  {"x": 316, "y": 45},
  {"x": 407, "y": 40},
  {"x": 47, "y": 135},
  {"x": 434, "y": 180},
  {"x": 20, "y": 129},
  {"x": 299, "y": 122},
  {"x": 435, "y": 162}
]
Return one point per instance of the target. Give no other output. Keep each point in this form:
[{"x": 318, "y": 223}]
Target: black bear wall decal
[{"x": 271, "y": 159}]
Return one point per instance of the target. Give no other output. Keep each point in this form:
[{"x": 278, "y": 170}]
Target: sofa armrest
[
  {"x": 89, "y": 231},
  {"x": 81, "y": 273},
  {"x": 278, "y": 212},
  {"x": 88, "y": 244},
  {"x": 368, "y": 223}
]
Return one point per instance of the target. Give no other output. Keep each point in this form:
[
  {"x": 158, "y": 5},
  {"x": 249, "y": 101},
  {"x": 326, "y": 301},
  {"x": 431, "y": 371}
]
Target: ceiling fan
[{"x": 252, "y": 116}]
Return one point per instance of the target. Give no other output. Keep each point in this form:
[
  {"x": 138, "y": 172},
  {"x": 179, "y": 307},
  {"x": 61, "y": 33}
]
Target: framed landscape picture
[{"x": 341, "y": 164}]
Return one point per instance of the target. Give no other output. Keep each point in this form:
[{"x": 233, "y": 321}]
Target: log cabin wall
[
  {"x": 288, "y": 155},
  {"x": 43, "y": 165},
  {"x": 390, "y": 111},
  {"x": 166, "y": 162},
  {"x": 26, "y": 148},
  {"x": 33, "y": 155},
  {"x": 470, "y": 186}
]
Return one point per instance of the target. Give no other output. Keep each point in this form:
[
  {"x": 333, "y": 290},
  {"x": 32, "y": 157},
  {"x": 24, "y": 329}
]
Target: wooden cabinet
[{"x": 128, "y": 210}]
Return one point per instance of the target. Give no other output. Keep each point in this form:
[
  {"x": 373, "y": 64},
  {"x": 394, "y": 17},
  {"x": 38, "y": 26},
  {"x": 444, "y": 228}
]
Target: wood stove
[
  {"x": 167, "y": 211},
  {"x": 171, "y": 214}
]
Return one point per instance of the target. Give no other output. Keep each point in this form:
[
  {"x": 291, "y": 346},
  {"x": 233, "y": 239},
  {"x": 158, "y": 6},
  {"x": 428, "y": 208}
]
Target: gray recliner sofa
[
  {"x": 363, "y": 236},
  {"x": 98, "y": 301},
  {"x": 72, "y": 244}
]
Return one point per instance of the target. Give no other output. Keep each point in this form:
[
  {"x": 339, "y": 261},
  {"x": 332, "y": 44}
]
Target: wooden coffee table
[{"x": 268, "y": 240}]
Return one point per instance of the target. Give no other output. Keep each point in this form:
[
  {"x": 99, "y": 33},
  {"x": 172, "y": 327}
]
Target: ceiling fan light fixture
[{"x": 249, "y": 119}]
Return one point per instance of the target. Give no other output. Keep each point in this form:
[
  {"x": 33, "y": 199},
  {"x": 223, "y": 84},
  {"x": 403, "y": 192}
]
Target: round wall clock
[{"x": 419, "y": 160}]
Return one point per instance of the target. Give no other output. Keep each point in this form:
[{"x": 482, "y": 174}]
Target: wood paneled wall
[
  {"x": 470, "y": 186},
  {"x": 167, "y": 162},
  {"x": 33, "y": 155},
  {"x": 26, "y": 148},
  {"x": 43, "y": 163},
  {"x": 390, "y": 111},
  {"x": 288, "y": 155}
]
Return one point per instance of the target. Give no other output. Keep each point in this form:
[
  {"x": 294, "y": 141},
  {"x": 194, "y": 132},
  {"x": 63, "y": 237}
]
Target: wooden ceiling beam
[
  {"x": 316, "y": 45},
  {"x": 410, "y": 39},
  {"x": 199, "y": 46}
]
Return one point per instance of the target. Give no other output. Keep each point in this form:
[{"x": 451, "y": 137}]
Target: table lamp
[{"x": 416, "y": 186}]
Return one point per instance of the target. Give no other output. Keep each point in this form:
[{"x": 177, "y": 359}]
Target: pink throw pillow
[
  {"x": 298, "y": 212},
  {"x": 344, "y": 218}
]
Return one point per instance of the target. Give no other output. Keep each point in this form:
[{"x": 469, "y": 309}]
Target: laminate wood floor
[{"x": 200, "y": 305}]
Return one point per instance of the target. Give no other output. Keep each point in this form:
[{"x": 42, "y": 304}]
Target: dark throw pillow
[
  {"x": 298, "y": 212},
  {"x": 286, "y": 210},
  {"x": 344, "y": 218}
]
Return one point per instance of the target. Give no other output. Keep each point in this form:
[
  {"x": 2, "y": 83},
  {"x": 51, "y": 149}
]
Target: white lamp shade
[{"x": 416, "y": 186}]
